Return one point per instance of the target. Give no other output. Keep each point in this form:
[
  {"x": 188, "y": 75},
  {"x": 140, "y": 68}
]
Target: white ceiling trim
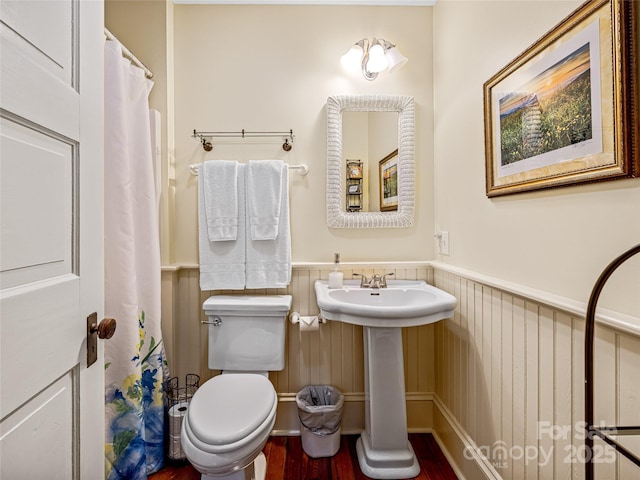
[{"x": 395, "y": 3}]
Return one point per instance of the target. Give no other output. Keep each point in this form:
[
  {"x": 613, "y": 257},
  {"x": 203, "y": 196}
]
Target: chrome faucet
[
  {"x": 383, "y": 280},
  {"x": 363, "y": 279},
  {"x": 376, "y": 281}
]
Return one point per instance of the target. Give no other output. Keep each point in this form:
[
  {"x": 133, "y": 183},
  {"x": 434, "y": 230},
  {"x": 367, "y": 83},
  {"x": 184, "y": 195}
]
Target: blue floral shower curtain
[{"x": 134, "y": 443}]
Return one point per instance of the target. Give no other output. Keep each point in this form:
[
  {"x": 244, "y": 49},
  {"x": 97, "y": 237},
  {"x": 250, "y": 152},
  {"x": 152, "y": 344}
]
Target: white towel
[
  {"x": 264, "y": 197},
  {"x": 269, "y": 261},
  {"x": 222, "y": 263},
  {"x": 220, "y": 180}
]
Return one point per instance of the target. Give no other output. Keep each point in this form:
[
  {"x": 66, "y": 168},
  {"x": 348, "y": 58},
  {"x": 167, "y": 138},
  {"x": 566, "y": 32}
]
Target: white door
[{"x": 51, "y": 267}]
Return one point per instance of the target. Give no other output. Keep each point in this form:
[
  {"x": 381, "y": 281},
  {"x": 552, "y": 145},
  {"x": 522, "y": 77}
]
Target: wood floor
[{"x": 287, "y": 461}]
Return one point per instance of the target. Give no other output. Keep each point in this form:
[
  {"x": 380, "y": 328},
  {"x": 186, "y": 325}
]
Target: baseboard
[
  {"x": 419, "y": 414},
  {"x": 448, "y": 456},
  {"x": 458, "y": 447}
]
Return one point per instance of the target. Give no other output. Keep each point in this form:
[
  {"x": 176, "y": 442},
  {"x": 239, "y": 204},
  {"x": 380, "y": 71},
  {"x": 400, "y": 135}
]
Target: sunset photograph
[{"x": 549, "y": 112}]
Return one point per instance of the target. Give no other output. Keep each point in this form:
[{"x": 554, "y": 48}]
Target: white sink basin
[
  {"x": 383, "y": 449},
  {"x": 403, "y": 303}
]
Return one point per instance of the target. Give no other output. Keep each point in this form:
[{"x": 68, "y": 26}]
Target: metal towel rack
[
  {"x": 605, "y": 433},
  {"x": 302, "y": 169},
  {"x": 208, "y": 146}
]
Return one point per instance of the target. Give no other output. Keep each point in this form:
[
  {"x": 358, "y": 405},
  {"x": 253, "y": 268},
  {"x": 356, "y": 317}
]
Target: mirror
[
  {"x": 369, "y": 138},
  {"x": 345, "y": 175}
]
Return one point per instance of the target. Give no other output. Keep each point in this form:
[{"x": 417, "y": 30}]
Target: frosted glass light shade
[
  {"x": 352, "y": 60},
  {"x": 377, "y": 61},
  {"x": 395, "y": 59},
  {"x": 373, "y": 58}
]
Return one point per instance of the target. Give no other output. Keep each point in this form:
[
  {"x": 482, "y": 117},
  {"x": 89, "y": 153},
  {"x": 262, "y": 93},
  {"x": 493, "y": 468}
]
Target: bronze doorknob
[{"x": 106, "y": 328}]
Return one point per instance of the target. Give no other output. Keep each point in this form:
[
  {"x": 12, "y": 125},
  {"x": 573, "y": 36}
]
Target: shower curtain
[{"x": 134, "y": 444}]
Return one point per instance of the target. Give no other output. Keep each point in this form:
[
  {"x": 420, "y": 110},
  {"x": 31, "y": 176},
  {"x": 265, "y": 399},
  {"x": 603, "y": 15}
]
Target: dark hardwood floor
[{"x": 286, "y": 460}]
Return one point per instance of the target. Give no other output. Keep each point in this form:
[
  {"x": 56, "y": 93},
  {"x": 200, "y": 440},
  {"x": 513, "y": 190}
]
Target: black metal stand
[{"x": 605, "y": 433}]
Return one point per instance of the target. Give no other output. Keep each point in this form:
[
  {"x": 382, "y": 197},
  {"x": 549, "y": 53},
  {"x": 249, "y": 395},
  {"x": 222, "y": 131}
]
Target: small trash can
[{"x": 320, "y": 413}]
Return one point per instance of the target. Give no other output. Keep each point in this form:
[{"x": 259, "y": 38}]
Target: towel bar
[{"x": 302, "y": 168}]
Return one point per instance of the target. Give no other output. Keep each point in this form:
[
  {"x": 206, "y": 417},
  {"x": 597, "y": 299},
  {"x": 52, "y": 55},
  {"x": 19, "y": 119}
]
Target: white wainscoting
[
  {"x": 510, "y": 380},
  {"x": 333, "y": 355},
  {"x": 504, "y": 375}
]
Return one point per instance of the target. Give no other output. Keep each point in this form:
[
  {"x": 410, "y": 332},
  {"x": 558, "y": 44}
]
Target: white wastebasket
[{"x": 320, "y": 413}]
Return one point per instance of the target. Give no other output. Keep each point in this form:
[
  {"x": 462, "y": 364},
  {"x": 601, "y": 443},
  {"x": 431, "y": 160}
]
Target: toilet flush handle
[{"x": 216, "y": 321}]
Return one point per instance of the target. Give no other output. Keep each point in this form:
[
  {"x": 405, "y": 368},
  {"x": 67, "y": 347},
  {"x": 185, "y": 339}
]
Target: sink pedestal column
[{"x": 383, "y": 448}]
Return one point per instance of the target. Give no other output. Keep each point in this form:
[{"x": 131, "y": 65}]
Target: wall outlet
[{"x": 443, "y": 243}]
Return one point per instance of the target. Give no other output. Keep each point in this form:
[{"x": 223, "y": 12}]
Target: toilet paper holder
[
  {"x": 296, "y": 318},
  {"x": 178, "y": 399}
]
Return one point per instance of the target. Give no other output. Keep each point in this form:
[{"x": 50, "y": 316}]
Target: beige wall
[
  {"x": 557, "y": 241},
  {"x": 272, "y": 68},
  {"x": 507, "y": 359},
  {"x": 146, "y": 28}
]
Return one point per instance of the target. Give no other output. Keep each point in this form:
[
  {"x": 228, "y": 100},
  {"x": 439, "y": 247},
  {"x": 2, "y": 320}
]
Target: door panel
[
  {"x": 52, "y": 48},
  {"x": 51, "y": 415},
  {"x": 36, "y": 240},
  {"x": 40, "y": 341},
  {"x": 51, "y": 272},
  {"x": 36, "y": 87}
]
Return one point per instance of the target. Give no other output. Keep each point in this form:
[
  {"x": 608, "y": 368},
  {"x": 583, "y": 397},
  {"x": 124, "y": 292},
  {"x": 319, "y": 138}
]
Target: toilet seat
[{"x": 230, "y": 411}]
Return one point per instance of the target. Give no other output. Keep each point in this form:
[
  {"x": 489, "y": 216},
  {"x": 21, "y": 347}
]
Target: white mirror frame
[{"x": 336, "y": 216}]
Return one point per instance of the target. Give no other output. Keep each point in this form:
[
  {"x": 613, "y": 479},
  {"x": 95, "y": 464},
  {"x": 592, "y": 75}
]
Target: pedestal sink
[{"x": 384, "y": 450}]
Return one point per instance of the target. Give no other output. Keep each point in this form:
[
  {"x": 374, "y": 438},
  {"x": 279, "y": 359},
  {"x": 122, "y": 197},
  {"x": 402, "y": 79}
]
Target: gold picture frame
[
  {"x": 388, "y": 182},
  {"x": 566, "y": 111}
]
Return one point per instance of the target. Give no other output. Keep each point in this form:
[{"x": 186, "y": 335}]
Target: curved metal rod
[
  {"x": 588, "y": 348},
  {"x": 126, "y": 53}
]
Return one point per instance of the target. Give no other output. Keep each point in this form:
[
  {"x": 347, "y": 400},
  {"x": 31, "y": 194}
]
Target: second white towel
[
  {"x": 269, "y": 261},
  {"x": 264, "y": 197}
]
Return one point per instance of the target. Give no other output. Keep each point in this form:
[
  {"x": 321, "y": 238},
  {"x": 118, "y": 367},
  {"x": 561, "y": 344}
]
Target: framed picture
[
  {"x": 566, "y": 110},
  {"x": 389, "y": 182},
  {"x": 354, "y": 170}
]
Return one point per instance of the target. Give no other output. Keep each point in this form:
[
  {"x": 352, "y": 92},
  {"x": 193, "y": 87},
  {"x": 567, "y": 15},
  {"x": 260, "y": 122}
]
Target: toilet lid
[{"x": 229, "y": 407}]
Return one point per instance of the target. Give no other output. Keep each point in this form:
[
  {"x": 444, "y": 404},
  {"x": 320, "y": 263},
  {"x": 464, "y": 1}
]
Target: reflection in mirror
[
  {"x": 369, "y": 138},
  {"x": 364, "y": 131}
]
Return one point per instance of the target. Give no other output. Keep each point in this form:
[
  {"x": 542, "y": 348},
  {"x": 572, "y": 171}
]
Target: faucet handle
[
  {"x": 376, "y": 281},
  {"x": 383, "y": 282},
  {"x": 363, "y": 279}
]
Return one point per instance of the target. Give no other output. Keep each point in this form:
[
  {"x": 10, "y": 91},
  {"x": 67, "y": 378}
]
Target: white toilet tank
[{"x": 246, "y": 332}]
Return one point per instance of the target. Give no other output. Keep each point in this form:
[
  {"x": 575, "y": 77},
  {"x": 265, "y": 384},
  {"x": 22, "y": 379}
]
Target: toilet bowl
[
  {"x": 228, "y": 423},
  {"x": 230, "y": 417}
]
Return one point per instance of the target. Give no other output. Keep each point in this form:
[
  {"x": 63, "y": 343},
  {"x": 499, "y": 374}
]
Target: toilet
[{"x": 230, "y": 417}]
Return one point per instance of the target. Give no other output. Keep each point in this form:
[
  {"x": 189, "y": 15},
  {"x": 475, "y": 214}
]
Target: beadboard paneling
[
  {"x": 333, "y": 355},
  {"x": 509, "y": 374},
  {"x": 498, "y": 373}
]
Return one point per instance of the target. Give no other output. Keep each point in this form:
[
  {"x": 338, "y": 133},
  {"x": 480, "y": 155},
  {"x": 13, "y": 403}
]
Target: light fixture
[{"x": 373, "y": 57}]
